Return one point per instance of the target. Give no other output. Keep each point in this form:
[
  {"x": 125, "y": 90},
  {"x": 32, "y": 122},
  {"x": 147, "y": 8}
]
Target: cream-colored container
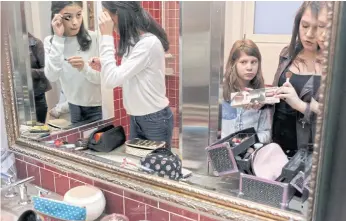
[{"x": 89, "y": 197}]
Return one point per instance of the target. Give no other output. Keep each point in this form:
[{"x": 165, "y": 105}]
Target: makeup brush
[
  {"x": 248, "y": 152},
  {"x": 288, "y": 76}
]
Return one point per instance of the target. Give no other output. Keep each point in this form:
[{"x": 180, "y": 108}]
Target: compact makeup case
[
  {"x": 269, "y": 192},
  {"x": 276, "y": 192},
  {"x": 229, "y": 154},
  {"x": 222, "y": 159}
]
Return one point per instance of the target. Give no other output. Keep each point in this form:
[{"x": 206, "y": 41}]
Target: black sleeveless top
[{"x": 285, "y": 117}]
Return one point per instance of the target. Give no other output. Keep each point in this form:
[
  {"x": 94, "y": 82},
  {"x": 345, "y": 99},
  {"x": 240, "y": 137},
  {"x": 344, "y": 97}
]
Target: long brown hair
[
  {"x": 231, "y": 81},
  {"x": 296, "y": 45}
]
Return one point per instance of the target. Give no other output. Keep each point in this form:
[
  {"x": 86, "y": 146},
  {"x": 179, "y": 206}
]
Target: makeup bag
[
  {"x": 268, "y": 161},
  {"x": 59, "y": 209},
  {"x": 163, "y": 163},
  {"x": 267, "y": 164},
  {"x": 270, "y": 192},
  {"x": 223, "y": 155},
  {"x": 107, "y": 138}
]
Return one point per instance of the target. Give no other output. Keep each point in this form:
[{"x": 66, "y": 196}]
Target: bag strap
[{"x": 163, "y": 150}]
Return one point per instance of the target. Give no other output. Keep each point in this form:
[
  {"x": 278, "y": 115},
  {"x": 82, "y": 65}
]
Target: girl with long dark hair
[
  {"x": 40, "y": 82},
  {"x": 67, "y": 52},
  {"x": 142, "y": 45},
  {"x": 293, "y": 120}
]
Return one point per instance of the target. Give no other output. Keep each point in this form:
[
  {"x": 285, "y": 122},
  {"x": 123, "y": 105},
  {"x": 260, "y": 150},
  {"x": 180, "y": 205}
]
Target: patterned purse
[{"x": 164, "y": 163}]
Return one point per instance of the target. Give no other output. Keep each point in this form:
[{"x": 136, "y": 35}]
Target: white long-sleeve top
[
  {"x": 141, "y": 74},
  {"x": 81, "y": 88}
]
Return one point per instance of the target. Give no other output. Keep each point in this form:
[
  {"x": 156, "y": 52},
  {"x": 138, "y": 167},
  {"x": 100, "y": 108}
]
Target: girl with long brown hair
[
  {"x": 293, "y": 119},
  {"x": 244, "y": 72}
]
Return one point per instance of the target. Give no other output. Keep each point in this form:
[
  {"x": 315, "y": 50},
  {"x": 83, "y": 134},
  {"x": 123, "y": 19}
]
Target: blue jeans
[
  {"x": 157, "y": 126},
  {"x": 80, "y": 113}
]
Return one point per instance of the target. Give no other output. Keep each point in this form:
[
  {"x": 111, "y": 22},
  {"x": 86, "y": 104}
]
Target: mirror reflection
[
  {"x": 67, "y": 91},
  {"x": 277, "y": 153},
  {"x": 122, "y": 59},
  {"x": 67, "y": 52}
]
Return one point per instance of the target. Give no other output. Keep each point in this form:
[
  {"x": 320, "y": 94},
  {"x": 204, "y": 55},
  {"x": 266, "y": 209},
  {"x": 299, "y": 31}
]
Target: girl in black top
[
  {"x": 40, "y": 82},
  {"x": 293, "y": 120}
]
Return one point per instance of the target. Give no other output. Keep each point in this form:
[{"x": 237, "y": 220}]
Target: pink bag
[{"x": 267, "y": 162}]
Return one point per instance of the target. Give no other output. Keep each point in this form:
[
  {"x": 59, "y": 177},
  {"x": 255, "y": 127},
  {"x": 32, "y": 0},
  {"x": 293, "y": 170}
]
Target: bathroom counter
[
  {"x": 118, "y": 154},
  {"x": 11, "y": 206},
  {"x": 228, "y": 185}
]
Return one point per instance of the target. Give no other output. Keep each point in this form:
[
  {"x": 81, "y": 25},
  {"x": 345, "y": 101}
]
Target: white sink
[
  {"x": 7, "y": 216},
  {"x": 11, "y": 210}
]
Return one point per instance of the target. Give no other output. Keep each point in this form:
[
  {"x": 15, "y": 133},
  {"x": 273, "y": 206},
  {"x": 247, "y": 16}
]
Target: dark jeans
[
  {"x": 80, "y": 113},
  {"x": 157, "y": 126},
  {"x": 285, "y": 133},
  {"x": 41, "y": 108}
]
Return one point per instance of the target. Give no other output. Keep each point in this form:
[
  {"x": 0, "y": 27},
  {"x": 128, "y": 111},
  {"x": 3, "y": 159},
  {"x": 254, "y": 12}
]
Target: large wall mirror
[{"x": 245, "y": 83}]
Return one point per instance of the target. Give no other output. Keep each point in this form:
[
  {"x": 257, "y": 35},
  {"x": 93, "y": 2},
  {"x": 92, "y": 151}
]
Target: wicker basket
[
  {"x": 135, "y": 151},
  {"x": 141, "y": 148}
]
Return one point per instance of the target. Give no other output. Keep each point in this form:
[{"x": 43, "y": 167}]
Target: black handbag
[
  {"x": 163, "y": 163},
  {"x": 111, "y": 138}
]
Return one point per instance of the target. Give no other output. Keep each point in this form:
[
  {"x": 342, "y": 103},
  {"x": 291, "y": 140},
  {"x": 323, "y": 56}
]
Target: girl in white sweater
[
  {"x": 142, "y": 45},
  {"x": 66, "y": 56}
]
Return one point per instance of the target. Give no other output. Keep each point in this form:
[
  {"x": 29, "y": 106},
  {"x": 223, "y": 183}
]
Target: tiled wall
[
  {"x": 171, "y": 25},
  {"x": 118, "y": 200}
]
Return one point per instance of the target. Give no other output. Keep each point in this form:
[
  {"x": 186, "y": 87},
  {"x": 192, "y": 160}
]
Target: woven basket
[
  {"x": 139, "y": 152},
  {"x": 141, "y": 148}
]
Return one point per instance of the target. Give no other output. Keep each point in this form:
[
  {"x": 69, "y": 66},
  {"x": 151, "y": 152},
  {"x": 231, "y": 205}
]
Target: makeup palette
[
  {"x": 261, "y": 96},
  {"x": 140, "y": 148}
]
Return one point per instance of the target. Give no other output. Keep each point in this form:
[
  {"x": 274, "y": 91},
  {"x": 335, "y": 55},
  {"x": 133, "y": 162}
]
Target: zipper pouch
[{"x": 59, "y": 209}]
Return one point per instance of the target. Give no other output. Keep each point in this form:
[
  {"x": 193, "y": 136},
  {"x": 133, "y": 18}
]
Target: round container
[
  {"x": 115, "y": 217},
  {"x": 89, "y": 197}
]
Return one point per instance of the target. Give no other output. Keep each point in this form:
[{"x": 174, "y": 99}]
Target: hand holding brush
[{"x": 288, "y": 76}]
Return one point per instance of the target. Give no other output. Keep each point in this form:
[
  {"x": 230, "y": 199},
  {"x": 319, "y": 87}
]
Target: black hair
[
  {"x": 132, "y": 19},
  {"x": 28, "y": 215},
  {"x": 83, "y": 36}
]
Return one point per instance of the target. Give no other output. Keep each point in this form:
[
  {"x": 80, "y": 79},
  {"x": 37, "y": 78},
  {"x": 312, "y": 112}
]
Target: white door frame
[{"x": 249, "y": 21}]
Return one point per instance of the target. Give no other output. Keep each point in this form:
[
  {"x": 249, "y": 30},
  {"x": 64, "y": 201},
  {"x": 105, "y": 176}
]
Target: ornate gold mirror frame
[{"x": 192, "y": 197}]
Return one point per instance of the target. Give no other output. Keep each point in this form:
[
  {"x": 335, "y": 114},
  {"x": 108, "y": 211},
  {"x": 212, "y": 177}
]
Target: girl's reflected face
[
  {"x": 322, "y": 27},
  {"x": 247, "y": 67},
  {"x": 308, "y": 30},
  {"x": 72, "y": 19}
]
